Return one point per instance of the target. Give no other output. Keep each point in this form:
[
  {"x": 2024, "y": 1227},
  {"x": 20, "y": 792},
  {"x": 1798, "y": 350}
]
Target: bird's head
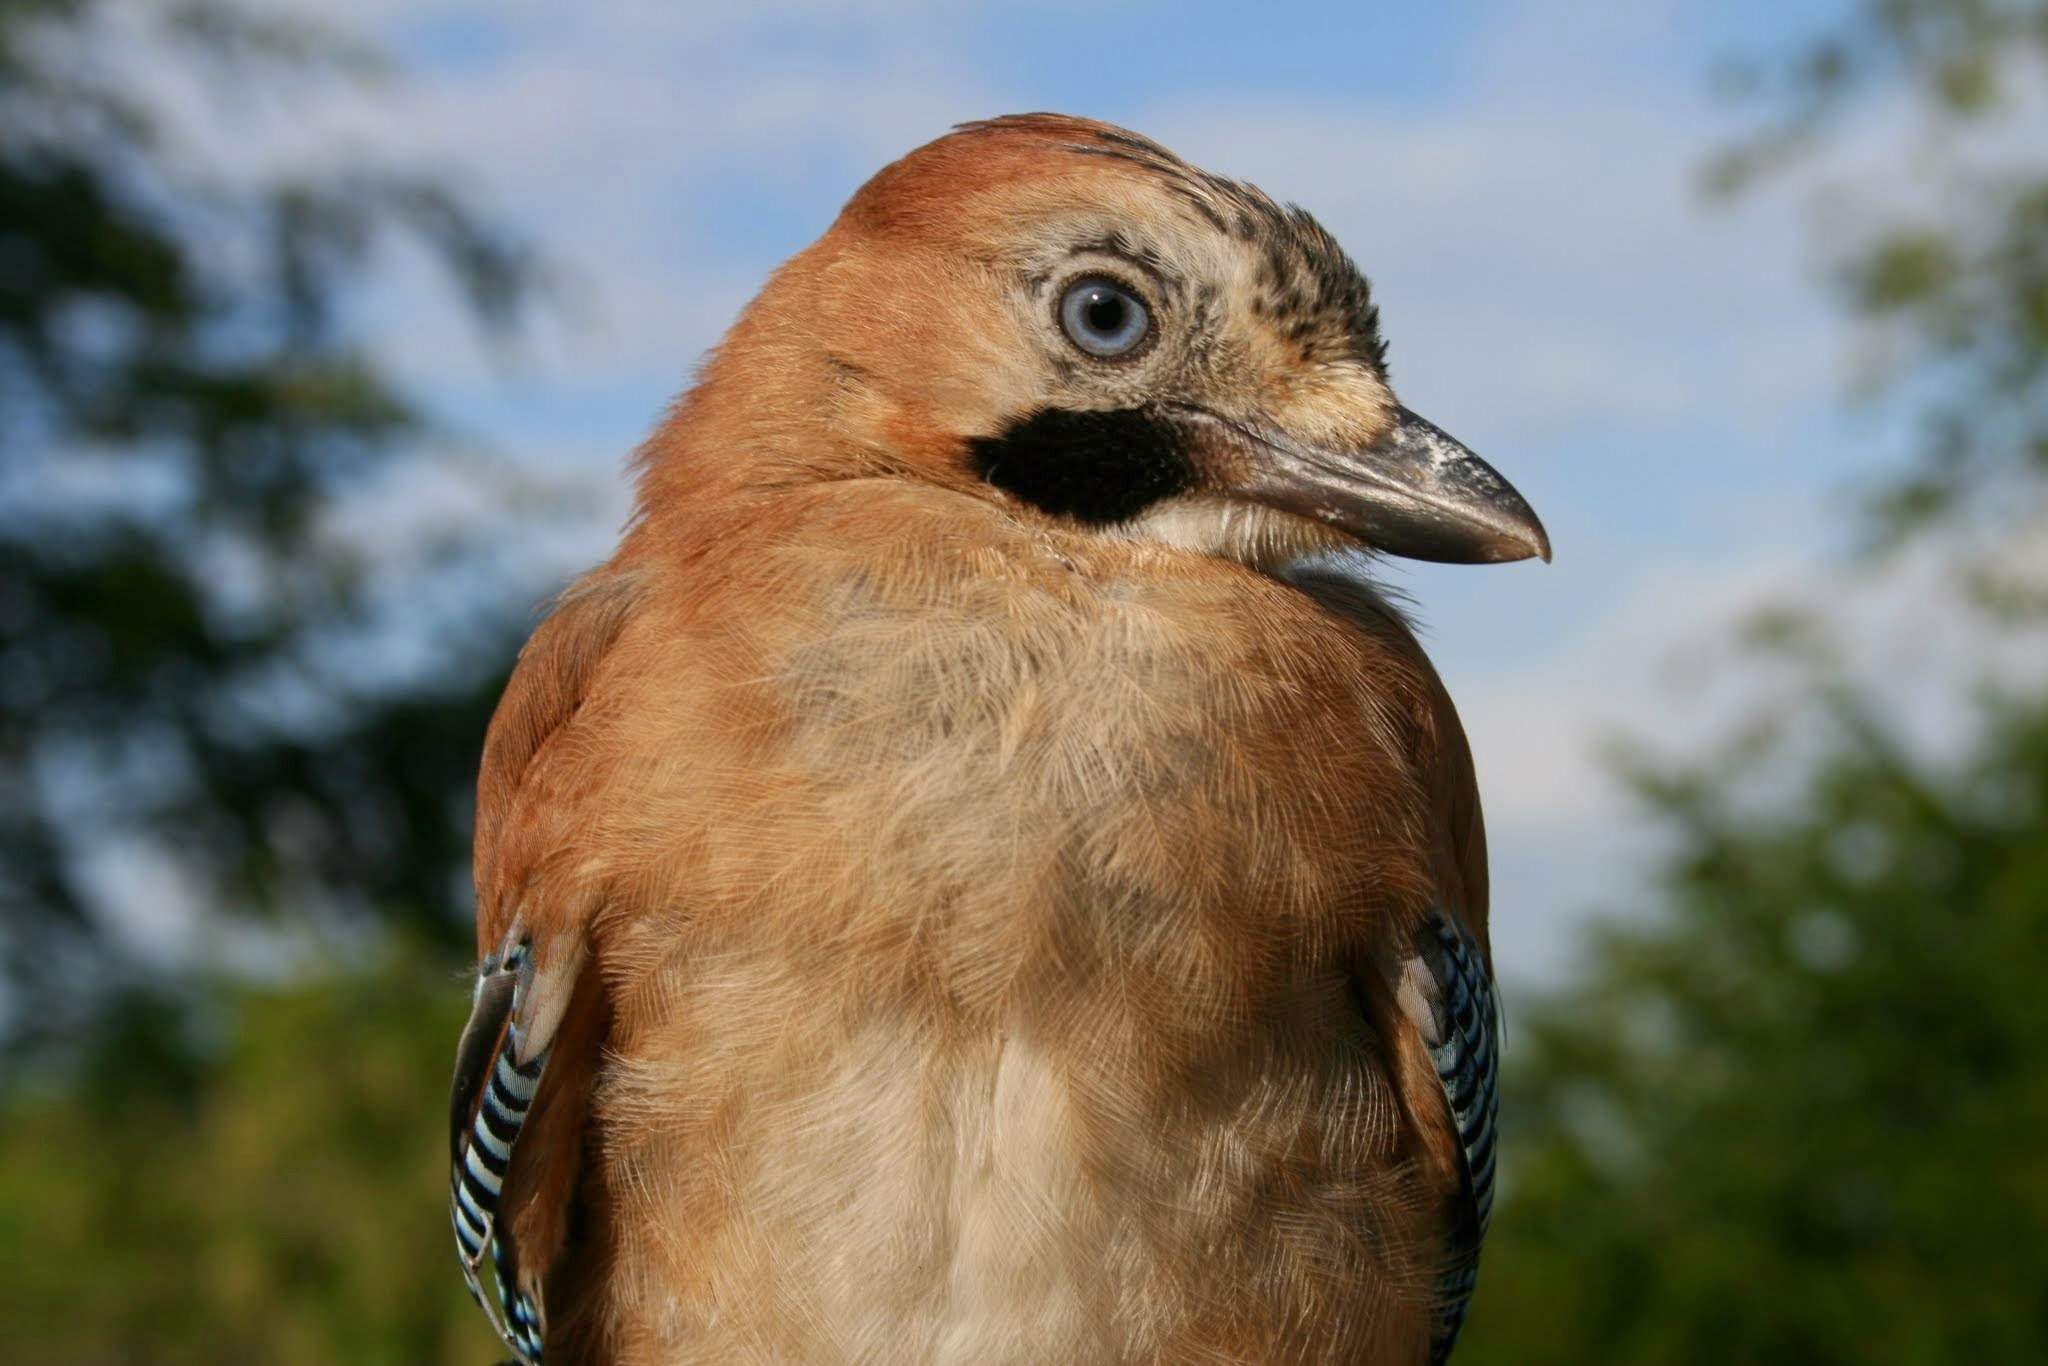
[{"x": 1055, "y": 311}]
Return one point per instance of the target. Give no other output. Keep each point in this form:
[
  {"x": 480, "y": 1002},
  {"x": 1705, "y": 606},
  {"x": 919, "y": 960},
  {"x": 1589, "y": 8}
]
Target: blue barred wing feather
[
  {"x": 487, "y": 1109},
  {"x": 1464, "y": 1047}
]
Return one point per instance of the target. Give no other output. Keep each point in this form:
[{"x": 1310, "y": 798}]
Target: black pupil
[{"x": 1105, "y": 312}]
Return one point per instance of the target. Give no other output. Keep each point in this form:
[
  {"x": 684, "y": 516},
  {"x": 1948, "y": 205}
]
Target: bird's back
[{"x": 990, "y": 927}]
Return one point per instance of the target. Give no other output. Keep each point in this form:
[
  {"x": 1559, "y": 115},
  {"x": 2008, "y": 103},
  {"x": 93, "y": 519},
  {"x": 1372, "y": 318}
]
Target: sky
[{"x": 1663, "y": 375}]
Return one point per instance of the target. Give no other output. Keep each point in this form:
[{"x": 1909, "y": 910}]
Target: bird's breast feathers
[{"x": 988, "y": 918}]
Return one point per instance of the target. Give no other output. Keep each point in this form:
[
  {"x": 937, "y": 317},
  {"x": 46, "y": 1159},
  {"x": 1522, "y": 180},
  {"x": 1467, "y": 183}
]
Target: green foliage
[
  {"x": 277, "y": 1195},
  {"x": 1968, "y": 302},
  {"x": 1795, "y": 1118},
  {"x": 193, "y": 1169},
  {"x": 182, "y": 401},
  {"x": 1795, "y": 1114}
]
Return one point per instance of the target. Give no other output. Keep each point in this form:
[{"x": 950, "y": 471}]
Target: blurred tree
[
  {"x": 1946, "y": 259},
  {"x": 285, "y": 1203},
  {"x": 1795, "y": 1115},
  {"x": 182, "y": 404},
  {"x": 1797, "y": 1119}
]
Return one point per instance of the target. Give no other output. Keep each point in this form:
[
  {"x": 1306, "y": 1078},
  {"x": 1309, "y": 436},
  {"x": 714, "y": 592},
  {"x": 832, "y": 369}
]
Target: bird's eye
[{"x": 1103, "y": 318}]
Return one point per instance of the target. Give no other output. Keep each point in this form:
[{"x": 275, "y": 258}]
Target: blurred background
[{"x": 325, "y": 331}]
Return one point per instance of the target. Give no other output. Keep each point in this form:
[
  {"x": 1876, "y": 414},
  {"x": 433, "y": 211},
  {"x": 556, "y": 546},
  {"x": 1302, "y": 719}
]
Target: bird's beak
[{"x": 1414, "y": 492}]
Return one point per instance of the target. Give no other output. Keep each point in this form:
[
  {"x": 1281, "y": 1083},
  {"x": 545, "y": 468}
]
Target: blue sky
[{"x": 1662, "y": 376}]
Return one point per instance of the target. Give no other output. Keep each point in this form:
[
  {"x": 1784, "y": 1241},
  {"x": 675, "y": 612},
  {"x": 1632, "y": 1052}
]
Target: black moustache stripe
[{"x": 1096, "y": 467}]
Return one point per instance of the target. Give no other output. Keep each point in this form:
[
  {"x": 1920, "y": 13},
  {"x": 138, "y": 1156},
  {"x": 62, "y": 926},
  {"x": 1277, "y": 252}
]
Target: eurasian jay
[{"x": 980, "y": 875}]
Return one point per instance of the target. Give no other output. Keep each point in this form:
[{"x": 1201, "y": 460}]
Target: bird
[{"x": 985, "y": 871}]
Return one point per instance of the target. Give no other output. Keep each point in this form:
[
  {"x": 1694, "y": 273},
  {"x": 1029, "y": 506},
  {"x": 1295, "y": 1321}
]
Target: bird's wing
[
  {"x": 516, "y": 1143},
  {"x": 1443, "y": 981},
  {"x": 488, "y": 1105},
  {"x": 1447, "y": 993}
]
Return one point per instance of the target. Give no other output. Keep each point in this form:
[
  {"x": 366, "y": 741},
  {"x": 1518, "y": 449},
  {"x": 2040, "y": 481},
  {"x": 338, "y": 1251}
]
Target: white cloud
[{"x": 1554, "y": 263}]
